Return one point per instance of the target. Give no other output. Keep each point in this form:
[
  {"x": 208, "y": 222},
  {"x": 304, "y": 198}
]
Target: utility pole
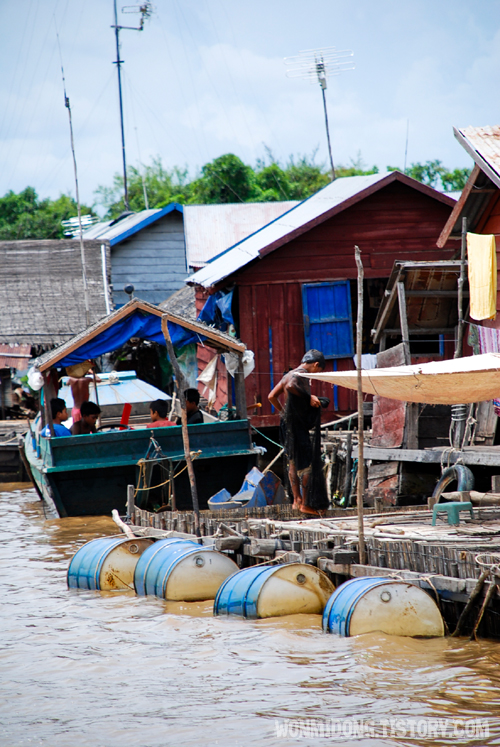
[
  {"x": 318, "y": 65},
  {"x": 145, "y": 10}
]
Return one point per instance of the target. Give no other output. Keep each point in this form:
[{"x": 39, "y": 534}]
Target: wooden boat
[{"x": 89, "y": 474}]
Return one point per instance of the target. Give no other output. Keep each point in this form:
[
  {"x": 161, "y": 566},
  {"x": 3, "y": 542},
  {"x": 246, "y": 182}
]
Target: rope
[
  {"x": 266, "y": 437},
  {"x": 142, "y": 464}
]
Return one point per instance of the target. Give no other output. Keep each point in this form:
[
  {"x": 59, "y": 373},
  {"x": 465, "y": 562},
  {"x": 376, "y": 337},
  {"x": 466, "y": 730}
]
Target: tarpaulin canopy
[
  {"x": 139, "y": 324},
  {"x": 458, "y": 381}
]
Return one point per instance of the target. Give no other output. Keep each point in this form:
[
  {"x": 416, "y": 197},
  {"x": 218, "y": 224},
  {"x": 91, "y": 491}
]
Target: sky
[{"x": 207, "y": 77}]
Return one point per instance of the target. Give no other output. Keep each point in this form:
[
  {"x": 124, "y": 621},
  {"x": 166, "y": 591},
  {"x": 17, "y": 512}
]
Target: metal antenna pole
[
  {"x": 118, "y": 64},
  {"x": 328, "y": 135},
  {"x": 82, "y": 245},
  {"x": 317, "y": 66},
  {"x": 145, "y": 10}
]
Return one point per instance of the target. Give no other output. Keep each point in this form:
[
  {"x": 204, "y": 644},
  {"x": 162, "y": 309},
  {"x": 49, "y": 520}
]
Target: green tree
[
  {"x": 436, "y": 175},
  {"x": 161, "y": 185},
  {"x": 25, "y": 216},
  {"x": 225, "y": 179}
]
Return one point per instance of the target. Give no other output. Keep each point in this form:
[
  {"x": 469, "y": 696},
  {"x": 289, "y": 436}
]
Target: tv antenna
[
  {"x": 318, "y": 65},
  {"x": 75, "y": 172},
  {"x": 146, "y": 10}
]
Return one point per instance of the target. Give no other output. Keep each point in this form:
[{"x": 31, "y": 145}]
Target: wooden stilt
[
  {"x": 181, "y": 386},
  {"x": 361, "y": 463}
]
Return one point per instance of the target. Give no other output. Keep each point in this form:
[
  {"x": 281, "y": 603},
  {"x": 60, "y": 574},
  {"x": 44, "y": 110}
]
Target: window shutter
[{"x": 328, "y": 318}]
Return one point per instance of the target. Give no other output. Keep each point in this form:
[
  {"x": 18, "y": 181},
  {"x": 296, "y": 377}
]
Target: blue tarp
[
  {"x": 218, "y": 301},
  {"x": 139, "y": 324}
]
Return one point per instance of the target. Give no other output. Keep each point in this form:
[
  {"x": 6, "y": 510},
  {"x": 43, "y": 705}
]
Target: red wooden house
[{"x": 294, "y": 280}]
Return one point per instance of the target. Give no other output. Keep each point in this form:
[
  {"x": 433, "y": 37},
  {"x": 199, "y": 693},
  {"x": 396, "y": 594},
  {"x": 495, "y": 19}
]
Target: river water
[{"x": 114, "y": 670}]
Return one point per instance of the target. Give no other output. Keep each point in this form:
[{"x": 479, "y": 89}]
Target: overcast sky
[{"x": 206, "y": 77}]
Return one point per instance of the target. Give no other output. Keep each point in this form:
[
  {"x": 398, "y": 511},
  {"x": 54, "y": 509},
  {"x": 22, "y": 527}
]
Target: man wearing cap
[
  {"x": 299, "y": 414},
  {"x": 80, "y": 385}
]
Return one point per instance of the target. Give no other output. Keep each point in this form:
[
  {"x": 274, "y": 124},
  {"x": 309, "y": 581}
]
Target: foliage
[
  {"x": 25, "y": 216},
  {"x": 226, "y": 179},
  {"x": 436, "y": 175}
]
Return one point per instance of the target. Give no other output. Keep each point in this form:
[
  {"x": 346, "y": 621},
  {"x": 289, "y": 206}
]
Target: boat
[{"x": 89, "y": 474}]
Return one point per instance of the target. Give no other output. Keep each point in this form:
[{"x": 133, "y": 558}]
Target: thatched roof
[
  {"x": 182, "y": 302},
  {"x": 41, "y": 289}
]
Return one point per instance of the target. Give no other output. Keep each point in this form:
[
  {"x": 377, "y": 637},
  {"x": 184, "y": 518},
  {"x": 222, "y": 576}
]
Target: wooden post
[
  {"x": 47, "y": 392},
  {"x": 239, "y": 391},
  {"x": 130, "y": 501},
  {"x": 461, "y": 281},
  {"x": 361, "y": 463},
  {"x": 411, "y": 419},
  {"x": 181, "y": 386}
]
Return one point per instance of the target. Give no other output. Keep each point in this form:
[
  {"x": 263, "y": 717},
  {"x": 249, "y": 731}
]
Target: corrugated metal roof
[
  {"x": 126, "y": 387},
  {"x": 211, "y": 229},
  {"x": 332, "y": 199},
  {"x": 117, "y": 231},
  {"x": 483, "y": 145}
]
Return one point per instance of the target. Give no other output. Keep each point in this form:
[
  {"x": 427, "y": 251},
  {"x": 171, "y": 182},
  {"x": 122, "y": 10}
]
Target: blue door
[{"x": 328, "y": 318}]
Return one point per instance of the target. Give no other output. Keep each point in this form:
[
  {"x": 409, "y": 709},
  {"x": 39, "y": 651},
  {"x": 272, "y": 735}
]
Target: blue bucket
[
  {"x": 107, "y": 563},
  {"x": 392, "y": 606},
  {"x": 181, "y": 570},
  {"x": 273, "y": 591}
]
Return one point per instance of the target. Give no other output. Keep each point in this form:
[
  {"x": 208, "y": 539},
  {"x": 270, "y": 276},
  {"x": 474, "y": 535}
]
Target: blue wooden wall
[{"x": 152, "y": 260}]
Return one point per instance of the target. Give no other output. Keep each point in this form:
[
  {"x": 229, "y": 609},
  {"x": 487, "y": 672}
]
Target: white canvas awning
[{"x": 457, "y": 381}]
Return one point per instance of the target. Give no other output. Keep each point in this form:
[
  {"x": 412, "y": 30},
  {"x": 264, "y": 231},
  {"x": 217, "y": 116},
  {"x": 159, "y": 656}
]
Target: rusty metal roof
[
  {"x": 211, "y": 229},
  {"x": 483, "y": 145}
]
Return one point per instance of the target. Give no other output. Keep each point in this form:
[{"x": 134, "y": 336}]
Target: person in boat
[
  {"x": 159, "y": 414},
  {"x": 299, "y": 414},
  {"x": 59, "y": 415},
  {"x": 193, "y": 412},
  {"x": 89, "y": 412},
  {"x": 80, "y": 384}
]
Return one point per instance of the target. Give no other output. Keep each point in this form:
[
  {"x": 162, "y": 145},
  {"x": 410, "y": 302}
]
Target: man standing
[{"x": 299, "y": 414}]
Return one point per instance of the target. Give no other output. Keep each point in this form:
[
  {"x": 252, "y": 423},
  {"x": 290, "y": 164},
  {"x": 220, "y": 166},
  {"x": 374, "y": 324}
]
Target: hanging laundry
[
  {"x": 209, "y": 377},
  {"x": 482, "y": 266},
  {"x": 473, "y": 339}
]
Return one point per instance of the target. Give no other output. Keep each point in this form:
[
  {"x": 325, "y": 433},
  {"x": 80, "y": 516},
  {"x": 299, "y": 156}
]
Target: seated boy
[
  {"x": 89, "y": 412},
  {"x": 59, "y": 415},
  {"x": 159, "y": 414},
  {"x": 193, "y": 413}
]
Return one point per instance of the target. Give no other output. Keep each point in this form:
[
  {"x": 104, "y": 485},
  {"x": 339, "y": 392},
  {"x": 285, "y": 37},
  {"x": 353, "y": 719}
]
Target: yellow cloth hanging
[{"x": 482, "y": 256}]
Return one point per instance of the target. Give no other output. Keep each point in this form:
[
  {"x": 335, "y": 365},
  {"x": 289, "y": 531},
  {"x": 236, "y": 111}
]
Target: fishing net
[{"x": 301, "y": 438}]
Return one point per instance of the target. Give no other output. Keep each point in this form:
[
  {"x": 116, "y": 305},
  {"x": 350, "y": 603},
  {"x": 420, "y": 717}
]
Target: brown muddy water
[{"x": 82, "y": 669}]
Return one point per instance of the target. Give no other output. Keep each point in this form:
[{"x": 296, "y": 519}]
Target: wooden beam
[
  {"x": 223, "y": 341},
  {"x": 403, "y": 320},
  {"x": 480, "y": 456},
  {"x": 239, "y": 391},
  {"x": 387, "y": 310},
  {"x": 422, "y": 331},
  {"x": 434, "y": 293}
]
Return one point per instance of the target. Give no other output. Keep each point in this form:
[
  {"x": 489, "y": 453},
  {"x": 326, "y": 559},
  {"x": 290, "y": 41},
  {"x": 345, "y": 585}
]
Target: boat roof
[
  {"x": 117, "y": 388},
  {"x": 136, "y": 318}
]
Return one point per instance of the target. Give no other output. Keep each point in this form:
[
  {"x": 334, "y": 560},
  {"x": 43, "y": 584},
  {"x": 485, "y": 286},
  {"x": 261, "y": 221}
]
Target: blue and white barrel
[
  {"x": 274, "y": 591},
  {"x": 368, "y": 605},
  {"x": 106, "y": 564},
  {"x": 182, "y": 570}
]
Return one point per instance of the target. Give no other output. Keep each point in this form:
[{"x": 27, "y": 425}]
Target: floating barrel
[
  {"x": 106, "y": 564},
  {"x": 274, "y": 591},
  {"x": 181, "y": 570},
  {"x": 366, "y": 605}
]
